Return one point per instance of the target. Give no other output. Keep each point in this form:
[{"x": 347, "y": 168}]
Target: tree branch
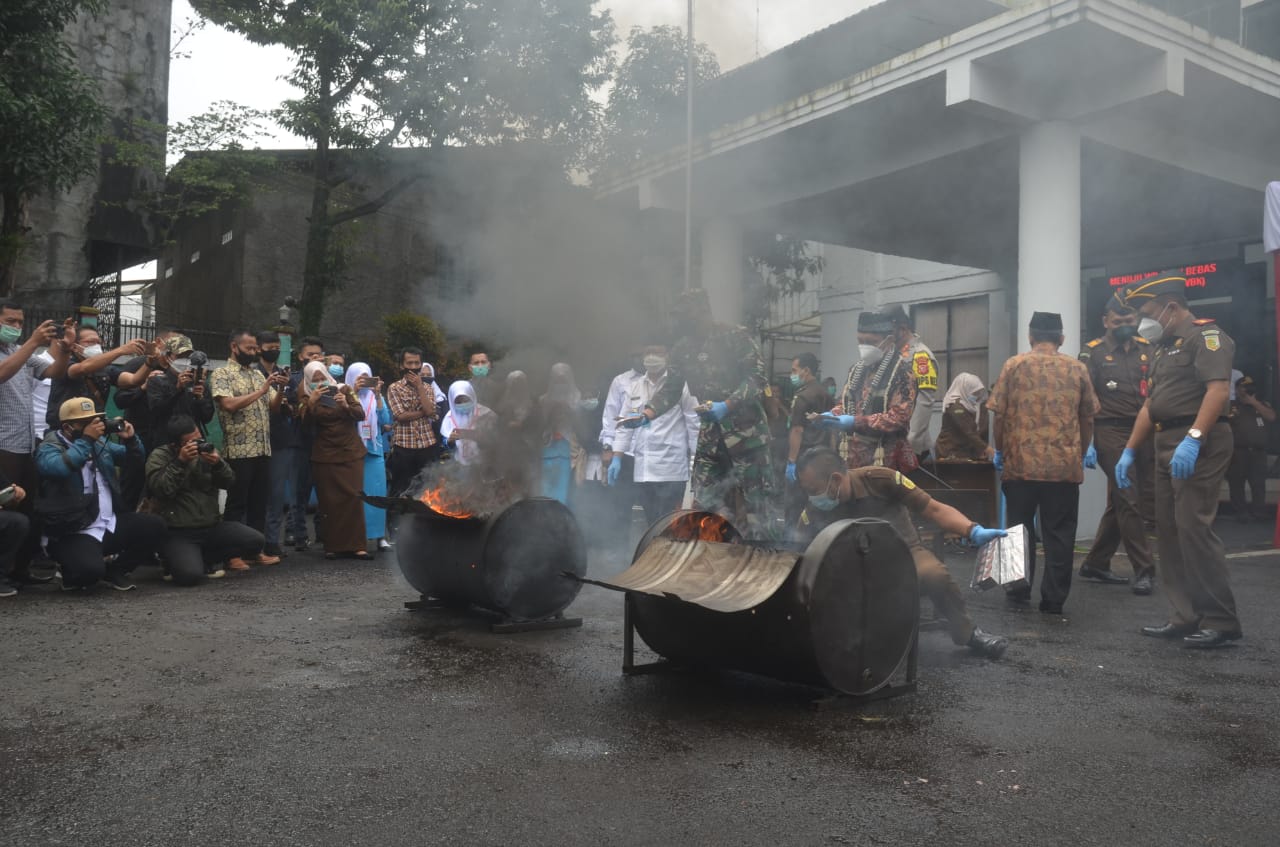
[
  {"x": 375, "y": 204},
  {"x": 357, "y": 74}
]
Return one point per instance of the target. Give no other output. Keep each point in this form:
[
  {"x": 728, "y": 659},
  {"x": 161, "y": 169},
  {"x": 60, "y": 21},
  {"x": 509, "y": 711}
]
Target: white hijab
[
  {"x": 964, "y": 388},
  {"x": 435, "y": 385},
  {"x": 467, "y": 451},
  {"x": 368, "y": 397}
]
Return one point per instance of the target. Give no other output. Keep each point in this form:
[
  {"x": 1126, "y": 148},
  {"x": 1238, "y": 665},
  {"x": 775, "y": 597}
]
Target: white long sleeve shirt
[
  {"x": 618, "y": 390},
  {"x": 664, "y": 449}
]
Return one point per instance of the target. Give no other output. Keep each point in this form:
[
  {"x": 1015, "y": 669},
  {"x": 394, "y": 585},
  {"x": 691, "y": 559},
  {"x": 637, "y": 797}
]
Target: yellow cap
[{"x": 77, "y": 409}]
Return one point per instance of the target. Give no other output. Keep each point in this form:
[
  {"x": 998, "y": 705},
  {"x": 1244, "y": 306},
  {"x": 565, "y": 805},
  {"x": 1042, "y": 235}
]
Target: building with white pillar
[{"x": 1058, "y": 147}]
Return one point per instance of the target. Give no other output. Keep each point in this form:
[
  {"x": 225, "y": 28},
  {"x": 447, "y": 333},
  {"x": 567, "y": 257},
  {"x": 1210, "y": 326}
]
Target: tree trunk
[
  {"x": 317, "y": 271},
  {"x": 11, "y": 238}
]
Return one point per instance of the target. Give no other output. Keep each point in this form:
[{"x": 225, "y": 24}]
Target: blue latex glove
[
  {"x": 1183, "y": 464},
  {"x": 1091, "y": 457},
  {"x": 615, "y": 468},
  {"x": 791, "y": 471},
  {"x": 717, "y": 412},
  {"x": 998, "y": 461},
  {"x": 980, "y": 535},
  {"x": 829, "y": 421},
  {"x": 1127, "y": 459},
  {"x": 635, "y": 423}
]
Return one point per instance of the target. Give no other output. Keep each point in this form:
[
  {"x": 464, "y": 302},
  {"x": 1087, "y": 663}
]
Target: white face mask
[
  {"x": 1151, "y": 329},
  {"x": 655, "y": 363},
  {"x": 92, "y": 350},
  {"x": 182, "y": 365},
  {"x": 871, "y": 354}
]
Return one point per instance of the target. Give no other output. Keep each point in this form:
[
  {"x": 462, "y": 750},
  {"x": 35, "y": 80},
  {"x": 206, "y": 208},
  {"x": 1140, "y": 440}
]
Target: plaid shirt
[
  {"x": 411, "y": 435},
  {"x": 17, "y": 431}
]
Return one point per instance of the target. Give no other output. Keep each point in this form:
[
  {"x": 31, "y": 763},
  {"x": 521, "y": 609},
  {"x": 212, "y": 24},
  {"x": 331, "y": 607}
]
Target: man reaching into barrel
[{"x": 837, "y": 493}]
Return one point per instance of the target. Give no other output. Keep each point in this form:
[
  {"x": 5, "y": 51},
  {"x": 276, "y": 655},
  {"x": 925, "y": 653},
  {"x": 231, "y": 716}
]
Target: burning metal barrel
[
  {"x": 842, "y": 615},
  {"x": 513, "y": 563}
]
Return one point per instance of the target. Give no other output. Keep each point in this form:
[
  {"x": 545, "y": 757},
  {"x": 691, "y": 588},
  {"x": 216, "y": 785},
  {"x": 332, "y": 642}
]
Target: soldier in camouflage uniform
[{"x": 724, "y": 369}]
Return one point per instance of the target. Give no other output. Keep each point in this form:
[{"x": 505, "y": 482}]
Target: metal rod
[{"x": 688, "y": 141}]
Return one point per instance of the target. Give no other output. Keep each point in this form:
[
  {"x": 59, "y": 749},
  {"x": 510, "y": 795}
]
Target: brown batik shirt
[{"x": 1042, "y": 400}]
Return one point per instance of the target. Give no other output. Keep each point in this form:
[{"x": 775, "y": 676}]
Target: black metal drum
[{"x": 514, "y": 563}]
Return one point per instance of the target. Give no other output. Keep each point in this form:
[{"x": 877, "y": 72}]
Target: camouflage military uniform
[{"x": 732, "y": 473}]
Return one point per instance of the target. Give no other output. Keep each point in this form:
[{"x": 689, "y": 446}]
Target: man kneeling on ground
[
  {"x": 185, "y": 476},
  {"x": 79, "y": 496},
  {"x": 836, "y": 493}
]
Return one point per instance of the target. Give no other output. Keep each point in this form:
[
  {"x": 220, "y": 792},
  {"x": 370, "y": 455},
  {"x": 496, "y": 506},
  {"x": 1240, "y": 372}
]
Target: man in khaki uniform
[
  {"x": 1119, "y": 365},
  {"x": 1187, "y": 409}
]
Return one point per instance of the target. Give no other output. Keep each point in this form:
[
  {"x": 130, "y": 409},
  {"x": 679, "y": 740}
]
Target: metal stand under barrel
[
  {"x": 843, "y": 615},
  {"x": 519, "y": 566}
]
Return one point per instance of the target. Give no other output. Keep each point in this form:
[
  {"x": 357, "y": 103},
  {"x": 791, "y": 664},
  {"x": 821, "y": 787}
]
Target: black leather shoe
[
  {"x": 1207, "y": 639},
  {"x": 1102, "y": 576},
  {"x": 29, "y": 578},
  {"x": 1170, "y": 630},
  {"x": 1142, "y": 585},
  {"x": 986, "y": 644},
  {"x": 1022, "y": 598}
]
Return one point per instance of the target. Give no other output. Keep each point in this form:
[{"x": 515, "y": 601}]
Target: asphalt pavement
[{"x": 303, "y": 705}]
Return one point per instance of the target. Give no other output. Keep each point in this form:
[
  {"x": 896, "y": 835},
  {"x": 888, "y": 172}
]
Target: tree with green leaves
[
  {"x": 51, "y": 114},
  {"x": 376, "y": 73}
]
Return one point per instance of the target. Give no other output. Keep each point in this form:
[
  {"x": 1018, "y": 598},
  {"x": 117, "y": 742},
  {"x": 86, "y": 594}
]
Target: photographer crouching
[
  {"x": 79, "y": 505},
  {"x": 185, "y": 475}
]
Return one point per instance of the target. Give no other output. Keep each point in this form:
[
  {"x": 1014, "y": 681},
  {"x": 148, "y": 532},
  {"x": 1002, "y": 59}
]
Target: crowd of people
[{"x": 1153, "y": 403}]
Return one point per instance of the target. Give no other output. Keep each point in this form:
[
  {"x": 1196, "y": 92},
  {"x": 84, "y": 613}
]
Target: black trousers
[
  {"x": 405, "y": 464},
  {"x": 20, "y": 468},
  {"x": 136, "y": 539},
  {"x": 1248, "y": 464},
  {"x": 658, "y": 499},
  {"x": 248, "y": 496},
  {"x": 1058, "y": 504},
  {"x": 15, "y": 528},
  {"x": 187, "y": 551}
]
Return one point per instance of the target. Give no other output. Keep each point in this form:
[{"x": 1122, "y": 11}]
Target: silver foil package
[{"x": 1002, "y": 562}]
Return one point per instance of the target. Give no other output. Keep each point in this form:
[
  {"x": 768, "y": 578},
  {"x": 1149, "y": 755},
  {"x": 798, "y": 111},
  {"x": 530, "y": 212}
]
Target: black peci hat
[
  {"x": 876, "y": 323},
  {"x": 1046, "y": 321}
]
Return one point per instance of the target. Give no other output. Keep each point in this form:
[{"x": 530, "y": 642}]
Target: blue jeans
[{"x": 283, "y": 504}]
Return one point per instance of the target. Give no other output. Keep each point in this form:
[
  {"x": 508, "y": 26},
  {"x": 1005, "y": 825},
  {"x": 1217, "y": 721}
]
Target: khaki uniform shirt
[
  {"x": 877, "y": 493},
  {"x": 1120, "y": 378},
  {"x": 1248, "y": 427},
  {"x": 1041, "y": 398},
  {"x": 246, "y": 434},
  {"x": 1189, "y": 355}
]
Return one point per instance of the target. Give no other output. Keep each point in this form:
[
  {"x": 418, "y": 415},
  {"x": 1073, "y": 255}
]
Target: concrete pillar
[
  {"x": 722, "y": 266},
  {"x": 1049, "y": 229}
]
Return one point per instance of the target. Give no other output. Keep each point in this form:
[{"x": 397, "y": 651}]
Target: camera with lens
[
  {"x": 113, "y": 426},
  {"x": 203, "y": 446}
]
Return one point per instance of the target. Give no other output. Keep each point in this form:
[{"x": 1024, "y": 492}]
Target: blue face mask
[
  {"x": 480, "y": 370},
  {"x": 463, "y": 408},
  {"x": 591, "y": 405},
  {"x": 824, "y": 502},
  {"x": 797, "y": 380},
  {"x": 336, "y": 371},
  {"x": 9, "y": 334}
]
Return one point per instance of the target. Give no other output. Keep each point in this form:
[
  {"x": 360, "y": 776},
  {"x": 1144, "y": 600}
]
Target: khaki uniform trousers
[
  {"x": 1193, "y": 565},
  {"x": 936, "y": 584},
  {"x": 1123, "y": 519}
]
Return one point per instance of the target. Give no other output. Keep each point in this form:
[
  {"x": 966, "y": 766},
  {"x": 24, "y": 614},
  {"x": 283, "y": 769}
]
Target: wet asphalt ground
[{"x": 302, "y": 705}]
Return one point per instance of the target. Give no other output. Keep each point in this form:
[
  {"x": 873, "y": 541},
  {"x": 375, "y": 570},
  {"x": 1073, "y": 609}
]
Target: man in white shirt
[
  {"x": 663, "y": 448},
  {"x": 621, "y": 496}
]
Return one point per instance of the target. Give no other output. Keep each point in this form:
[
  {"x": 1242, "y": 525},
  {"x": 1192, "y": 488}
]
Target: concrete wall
[{"x": 74, "y": 235}]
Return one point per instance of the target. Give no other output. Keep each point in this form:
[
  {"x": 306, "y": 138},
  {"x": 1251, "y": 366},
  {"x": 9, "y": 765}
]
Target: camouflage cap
[{"x": 176, "y": 345}]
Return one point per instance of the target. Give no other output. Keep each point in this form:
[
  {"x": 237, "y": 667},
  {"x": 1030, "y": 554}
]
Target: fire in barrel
[
  {"x": 842, "y": 615},
  {"x": 468, "y": 543}
]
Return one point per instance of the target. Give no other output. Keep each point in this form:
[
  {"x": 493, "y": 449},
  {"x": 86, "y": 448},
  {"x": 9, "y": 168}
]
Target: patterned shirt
[
  {"x": 416, "y": 434},
  {"x": 246, "y": 434},
  {"x": 17, "y": 432},
  {"x": 1042, "y": 399},
  {"x": 882, "y": 400}
]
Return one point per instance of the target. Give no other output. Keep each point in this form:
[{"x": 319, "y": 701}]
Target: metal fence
[{"x": 114, "y": 333}]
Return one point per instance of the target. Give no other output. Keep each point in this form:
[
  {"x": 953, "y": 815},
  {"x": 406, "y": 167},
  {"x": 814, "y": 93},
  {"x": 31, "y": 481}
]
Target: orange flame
[
  {"x": 442, "y": 503},
  {"x": 699, "y": 527}
]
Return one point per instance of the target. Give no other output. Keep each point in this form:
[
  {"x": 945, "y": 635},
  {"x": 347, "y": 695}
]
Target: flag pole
[{"x": 688, "y": 143}]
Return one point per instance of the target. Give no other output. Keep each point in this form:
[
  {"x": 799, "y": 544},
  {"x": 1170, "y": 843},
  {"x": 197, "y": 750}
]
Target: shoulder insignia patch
[
  {"x": 804, "y": 517},
  {"x": 926, "y": 372},
  {"x": 903, "y": 481},
  {"x": 1094, "y": 343},
  {"x": 1212, "y": 341}
]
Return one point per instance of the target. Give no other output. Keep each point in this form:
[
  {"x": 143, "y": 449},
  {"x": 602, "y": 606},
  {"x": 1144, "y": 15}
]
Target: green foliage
[
  {"x": 406, "y": 329},
  {"x": 373, "y": 73},
  {"x": 646, "y": 111},
  {"x": 786, "y": 261}
]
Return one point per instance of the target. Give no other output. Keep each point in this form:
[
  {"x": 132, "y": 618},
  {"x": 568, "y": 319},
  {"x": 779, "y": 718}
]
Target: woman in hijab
[
  {"x": 337, "y": 460},
  {"x": 518, "y": 451},
  {"x": 377, "y": 417},
  {"x": 466, "y": 420},
  {"x": 563, "y": 459},
  {"x": 964, "y": 422}
]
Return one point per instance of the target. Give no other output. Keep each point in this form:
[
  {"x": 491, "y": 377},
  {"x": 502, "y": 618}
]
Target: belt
[
  {"x": 1129, "y": 422},
  {"x": 1184, "y": 420}
]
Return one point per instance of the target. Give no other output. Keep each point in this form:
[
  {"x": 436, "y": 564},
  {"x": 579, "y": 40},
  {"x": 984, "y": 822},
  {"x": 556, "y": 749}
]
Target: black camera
[
  {"x": 203, "y": 446},
  {"x": 113, "y": 426}
]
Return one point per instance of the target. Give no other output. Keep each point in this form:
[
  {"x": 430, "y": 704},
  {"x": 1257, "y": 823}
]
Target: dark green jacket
[{"x": 186, "y": 494}]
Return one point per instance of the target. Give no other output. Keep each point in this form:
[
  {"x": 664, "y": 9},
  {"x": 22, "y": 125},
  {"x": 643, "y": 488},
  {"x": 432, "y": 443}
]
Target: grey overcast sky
[{"x": 223, "y": 66}]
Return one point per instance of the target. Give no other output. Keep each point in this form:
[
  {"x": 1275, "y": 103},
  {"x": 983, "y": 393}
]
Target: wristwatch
[{"x": 1195, "y": 433}]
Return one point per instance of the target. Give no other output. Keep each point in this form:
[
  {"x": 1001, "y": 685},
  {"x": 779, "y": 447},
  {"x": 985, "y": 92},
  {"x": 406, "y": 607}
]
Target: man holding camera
[
  {"x": 79, "y": 496},
  {"x": 93, "y": 372},
  {"x": 246, "y": 399},
  {"x": 185, "y": 474},
  {"x": 413, "y": 407}
]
